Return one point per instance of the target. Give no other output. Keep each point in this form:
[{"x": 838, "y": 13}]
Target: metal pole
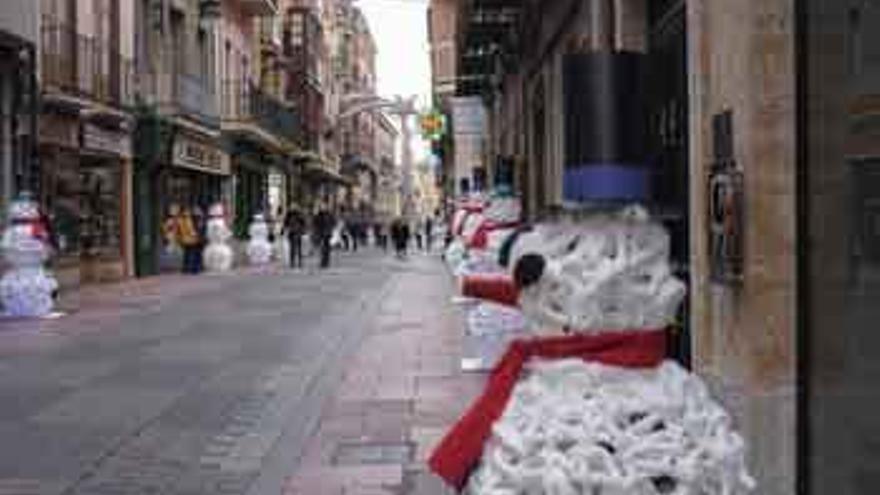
[{"x": 407, "y": 165}]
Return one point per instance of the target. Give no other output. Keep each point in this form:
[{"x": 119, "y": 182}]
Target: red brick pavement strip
[{"x": 403, "y": 387}]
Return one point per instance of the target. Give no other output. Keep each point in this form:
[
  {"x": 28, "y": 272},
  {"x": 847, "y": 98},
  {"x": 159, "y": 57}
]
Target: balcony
[
  {"x": 182, "y": 95},
  {"x": 259, "y": 7},
  {"x": 246, "y": 105},
  {"x": 76, "y": 67}
]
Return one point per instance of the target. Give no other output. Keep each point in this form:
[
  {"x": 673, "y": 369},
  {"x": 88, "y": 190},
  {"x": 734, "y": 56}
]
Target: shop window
[{"x": 100, "y": 233}]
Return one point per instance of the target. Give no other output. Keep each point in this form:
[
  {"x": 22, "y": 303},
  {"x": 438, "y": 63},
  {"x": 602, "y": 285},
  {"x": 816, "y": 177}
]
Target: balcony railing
[
  {"x": 245, "y": 102},
  {"x": 185, "y": 95},
  {"x": 85, "y": 67}
]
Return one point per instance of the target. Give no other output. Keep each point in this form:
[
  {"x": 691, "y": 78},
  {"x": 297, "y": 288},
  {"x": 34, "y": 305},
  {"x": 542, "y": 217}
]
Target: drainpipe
[{"x": 603, "y": 25}]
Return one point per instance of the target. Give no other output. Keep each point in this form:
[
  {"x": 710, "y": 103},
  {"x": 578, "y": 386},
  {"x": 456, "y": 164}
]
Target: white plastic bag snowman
[
  {"x": 259, "y": 249},
  {"x": 218, "y": 254},
  {"x": 27, "y": 287},
  {"x": 576, "y": 427}
]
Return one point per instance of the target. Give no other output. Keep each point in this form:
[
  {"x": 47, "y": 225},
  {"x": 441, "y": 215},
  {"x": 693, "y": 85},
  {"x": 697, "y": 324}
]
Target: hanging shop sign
[
  {"x": 196, "y": 155},
  {"x": 102, "y": 140},
  {"x": 725, "y": 206}
]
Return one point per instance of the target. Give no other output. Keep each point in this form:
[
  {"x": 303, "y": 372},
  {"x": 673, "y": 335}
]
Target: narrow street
[{"x": 217, "y": 384}]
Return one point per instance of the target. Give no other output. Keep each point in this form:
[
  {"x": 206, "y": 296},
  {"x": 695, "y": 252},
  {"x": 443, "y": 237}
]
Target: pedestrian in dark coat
[
  {"x": 400, "y": 236},
  {"x": 324, "y": 224},
  {"x": 295, "y": 227}
]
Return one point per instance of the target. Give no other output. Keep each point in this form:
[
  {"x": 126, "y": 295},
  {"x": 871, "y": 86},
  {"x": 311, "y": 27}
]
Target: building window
[{"x": 297, "y": 29}]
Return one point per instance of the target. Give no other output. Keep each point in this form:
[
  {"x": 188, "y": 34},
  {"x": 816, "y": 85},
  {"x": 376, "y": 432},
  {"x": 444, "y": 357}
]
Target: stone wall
[{"x": 741, "y": 57}]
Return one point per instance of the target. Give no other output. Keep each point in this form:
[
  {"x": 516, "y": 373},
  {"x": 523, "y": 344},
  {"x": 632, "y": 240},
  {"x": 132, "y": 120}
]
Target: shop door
[{"x": 668, "y": 141}]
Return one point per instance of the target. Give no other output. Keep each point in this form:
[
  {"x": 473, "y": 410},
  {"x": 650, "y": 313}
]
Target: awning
[
  {"x": 320, "y": 172},
  {"x": 353, "y": 164}
]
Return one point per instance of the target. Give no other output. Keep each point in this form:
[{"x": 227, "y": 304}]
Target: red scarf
[{"x": 461, "y": 448}]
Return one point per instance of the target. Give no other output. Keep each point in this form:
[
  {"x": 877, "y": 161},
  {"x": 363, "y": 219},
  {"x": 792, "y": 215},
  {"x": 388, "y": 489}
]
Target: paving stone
[
  {"x": 53, "y": 452},
  {"x": 372, "y": 453},
  {"x": 20, "y": 402},
  {"x": 113, "y": 406}
]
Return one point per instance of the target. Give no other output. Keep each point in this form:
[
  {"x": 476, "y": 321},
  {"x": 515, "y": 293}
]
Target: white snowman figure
[
  {"x": 259, "y": 249},
  {"x": 573, "y": 426},
  {"x": 27, "y": 287},
  {"x": 218, "y": 254}
]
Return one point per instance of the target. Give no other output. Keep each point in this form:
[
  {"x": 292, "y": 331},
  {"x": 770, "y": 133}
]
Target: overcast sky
[
  {"x": 400, "y": 28},
  {"x": 401, "y": 33}
]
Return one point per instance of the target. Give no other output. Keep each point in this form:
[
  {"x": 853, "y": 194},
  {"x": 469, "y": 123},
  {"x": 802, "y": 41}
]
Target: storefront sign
[
  {"x": 189, "y": 153},
  {"x": 103, "y": 140}
]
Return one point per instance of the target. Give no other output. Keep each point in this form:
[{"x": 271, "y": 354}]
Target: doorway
[{"x": 668, "y": 133}]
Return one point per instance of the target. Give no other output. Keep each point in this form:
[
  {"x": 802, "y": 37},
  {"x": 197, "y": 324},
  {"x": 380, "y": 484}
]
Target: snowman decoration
[
  {"x": 218, "y": 254},
  {"x": 26, "y": 289},
  {"x": 573, "y": 426},
  {"x": 259, "y": 249}
]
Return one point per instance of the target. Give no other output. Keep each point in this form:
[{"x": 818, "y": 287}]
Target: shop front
[
  {"x": 176, "y": 168},
  {"x": 198, "y": 174},
  {"x": 261, "y": 179},
  {"x": 196, "y": 177},
  {"x": 85, "y": 181},
  {"x": 104, "y": 177}
]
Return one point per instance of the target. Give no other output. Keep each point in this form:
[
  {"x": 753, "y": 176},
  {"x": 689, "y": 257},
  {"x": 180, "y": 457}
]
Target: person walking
[
  {"x": 324, "y": 224},
  {"x": 429, "y": 233},
  {"x": 294, "y": 227},
  {"x": 400, "y": 237},
  {"x": 201, "y": 226},
  {"x": 189, "y": 240}
]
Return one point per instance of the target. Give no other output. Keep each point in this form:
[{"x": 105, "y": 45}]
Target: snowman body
[
  {"x": 218, "y": 255},
  {"x": 259, "y": 249},
  {"x": 26, "y": 288}
]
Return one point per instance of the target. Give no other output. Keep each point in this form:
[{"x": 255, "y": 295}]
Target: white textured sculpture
[
  {"x": 27, "y": 287},
  {"x": 503, "y": 209},
  {"x": 606, "y": 273},
  {"x": 259, "y": 249},
  {"x": 584, "y": 428},
  {"x": 498, "y": 211},
  {"x": 218, "y": 254},
  {"x": 494, "y": 319}
]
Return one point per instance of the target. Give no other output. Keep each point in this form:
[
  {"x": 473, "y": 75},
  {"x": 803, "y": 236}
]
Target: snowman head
[
  {"x": 608, "y": 272},
  {"x": 24, "y": 209},
  {"x": 217, "y": 211},
  {"x": 25, "y": 239},
  {"x": 503, "y": 210}
]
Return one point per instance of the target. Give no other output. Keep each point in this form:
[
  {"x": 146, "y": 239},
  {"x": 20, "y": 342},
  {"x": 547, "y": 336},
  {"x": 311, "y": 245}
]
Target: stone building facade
[
  {"x": 88, "y": 90},
  {"x": 19, "y": 40}
]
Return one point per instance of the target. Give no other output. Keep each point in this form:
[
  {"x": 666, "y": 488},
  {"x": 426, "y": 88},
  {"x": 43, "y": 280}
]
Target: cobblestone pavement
[
  {"x": 256, "y": 382},
  {"x": 400, "y": 392}
]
